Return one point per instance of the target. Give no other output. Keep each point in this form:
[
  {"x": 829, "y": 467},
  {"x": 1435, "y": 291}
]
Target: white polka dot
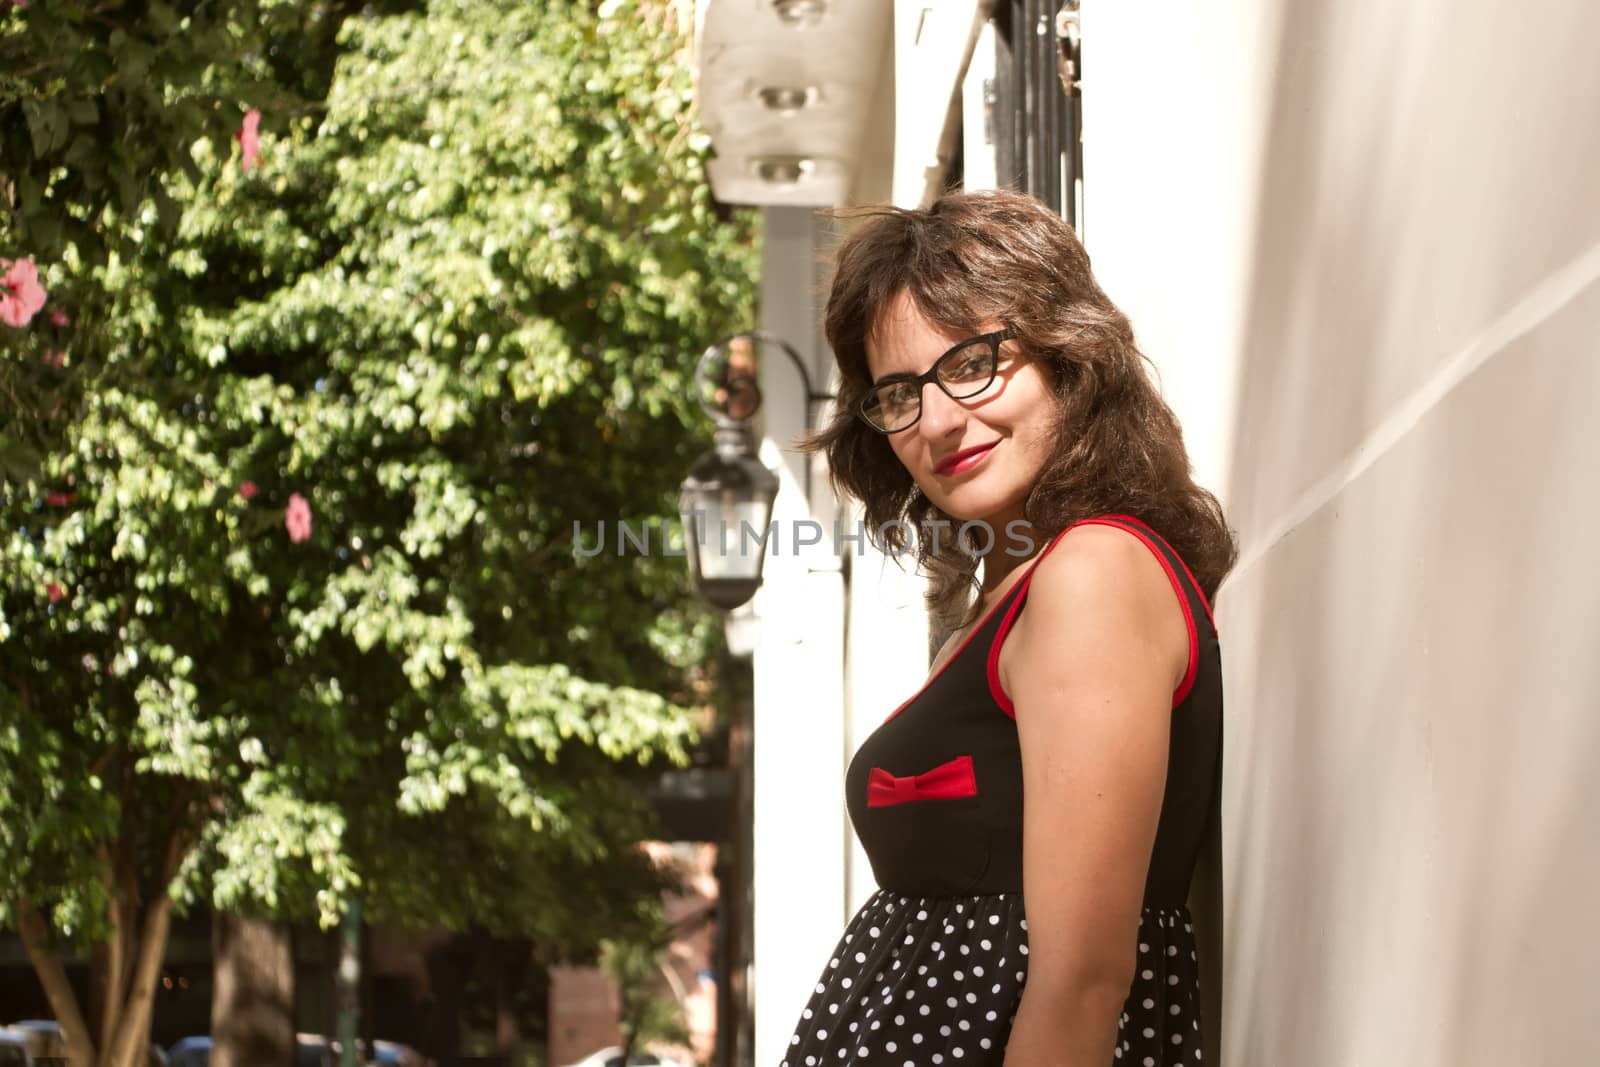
[{"x": 1147, "y": 974}]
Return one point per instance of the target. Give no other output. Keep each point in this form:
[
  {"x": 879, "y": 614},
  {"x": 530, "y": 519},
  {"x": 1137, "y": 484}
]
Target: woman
[{"x": 1065, "y": 749}]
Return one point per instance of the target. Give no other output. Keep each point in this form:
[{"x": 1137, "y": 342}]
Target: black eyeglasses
[{"x": 966, "y": 370}]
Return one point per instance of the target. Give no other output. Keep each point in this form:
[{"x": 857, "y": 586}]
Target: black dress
[{"x": 931, "y": 969}]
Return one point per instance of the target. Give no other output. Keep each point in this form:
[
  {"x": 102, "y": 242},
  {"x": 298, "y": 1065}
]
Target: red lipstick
[{"x": 964, "y": 460}]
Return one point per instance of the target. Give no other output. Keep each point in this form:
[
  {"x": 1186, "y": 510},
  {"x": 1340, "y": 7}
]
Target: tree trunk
[
  {"x": 34, "y": 931},
  {"x": 130, "y": 1042},
  {"x": 449, "y": 966},
  {"x": 128, "y": 1023},
  {"x": 511, "y": 972},
  {"x": 252, "y": 1000}
]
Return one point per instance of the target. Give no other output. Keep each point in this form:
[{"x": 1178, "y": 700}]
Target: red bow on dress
[{"x": 945, "y": 782}]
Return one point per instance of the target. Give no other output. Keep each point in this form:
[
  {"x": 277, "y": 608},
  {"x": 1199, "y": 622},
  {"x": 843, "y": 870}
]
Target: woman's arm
[{"x": 1091, "y": 667}]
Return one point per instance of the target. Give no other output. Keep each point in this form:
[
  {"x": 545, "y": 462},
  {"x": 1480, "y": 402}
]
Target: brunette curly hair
[{"x": 976, "y": 258}]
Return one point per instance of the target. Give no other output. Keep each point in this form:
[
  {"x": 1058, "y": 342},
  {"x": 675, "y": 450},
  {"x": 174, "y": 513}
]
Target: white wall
[
  {"x": 800, "y": 826},
  {"x": 1362, "y": 241}
]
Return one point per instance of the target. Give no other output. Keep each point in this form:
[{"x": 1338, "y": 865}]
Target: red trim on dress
[
  {"x": 1151, "y": 539},
  {"x": 1201, "y": 593},
  {"x": 993, "y": 666},
  {"x": 947, "y": 781},
  {"x": 934, "y": 677}
]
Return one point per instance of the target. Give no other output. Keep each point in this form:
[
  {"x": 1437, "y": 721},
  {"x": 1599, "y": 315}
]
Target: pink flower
[
  {"x": 55, "y": 358},
  {"x": 21, "y": 295},
  {"x": 248, "y": 490},
  {"x": 59, "y": 318},
  {"x": 249, "y": 140},
  {"x": 55, "y": 592},
  {"x": 297, "y": 518},
  {"x": 61, "y": 500}
]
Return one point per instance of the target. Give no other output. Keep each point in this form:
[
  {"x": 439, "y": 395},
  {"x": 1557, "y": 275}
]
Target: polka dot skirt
[{"x": 920, "y": 981}]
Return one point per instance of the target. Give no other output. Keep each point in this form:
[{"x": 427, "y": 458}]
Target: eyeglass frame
[{"x": 931, "y": 377}]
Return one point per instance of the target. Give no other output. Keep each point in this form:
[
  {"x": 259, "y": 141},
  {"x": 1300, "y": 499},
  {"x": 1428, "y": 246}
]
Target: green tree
[
  {"x": 647, "y": 1011},
  {"x": 290, "y": 609}
]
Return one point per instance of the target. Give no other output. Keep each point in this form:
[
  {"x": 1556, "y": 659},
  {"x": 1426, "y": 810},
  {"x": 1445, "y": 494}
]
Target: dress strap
[{"x": 1187, "y": 589}]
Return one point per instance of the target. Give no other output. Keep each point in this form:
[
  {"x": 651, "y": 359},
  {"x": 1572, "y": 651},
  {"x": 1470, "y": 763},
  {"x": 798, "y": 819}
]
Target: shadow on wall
[{"x": 1411, "y": 673}]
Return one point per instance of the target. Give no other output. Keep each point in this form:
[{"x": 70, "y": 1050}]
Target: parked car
[
  {"x": 14, "y": 1049},
  {"x": 49, "y": 1049},
  {"x": 612, "y": 1057},
  {"x": 310, "y": 1050},
  {"x": 190, "y": 1052},
  {"x": 388, "y": 1053}
]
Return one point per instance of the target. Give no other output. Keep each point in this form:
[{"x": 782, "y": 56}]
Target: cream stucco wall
[{"x": 1362, "y": 242}]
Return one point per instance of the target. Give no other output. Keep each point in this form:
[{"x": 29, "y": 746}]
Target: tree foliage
[{"x": 450, "y": 311}]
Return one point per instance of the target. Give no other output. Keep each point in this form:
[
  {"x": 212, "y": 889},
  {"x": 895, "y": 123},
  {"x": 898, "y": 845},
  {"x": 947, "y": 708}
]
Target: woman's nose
[{"x": 940, "y": 414}]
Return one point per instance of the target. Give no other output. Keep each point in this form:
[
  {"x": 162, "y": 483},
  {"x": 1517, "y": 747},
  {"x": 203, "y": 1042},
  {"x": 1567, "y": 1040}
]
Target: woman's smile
[{"x": 965, "y": 460}]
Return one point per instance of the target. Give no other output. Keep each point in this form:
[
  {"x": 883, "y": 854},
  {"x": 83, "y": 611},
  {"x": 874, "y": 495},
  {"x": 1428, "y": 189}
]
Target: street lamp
[{"x": 726, "y": 501}]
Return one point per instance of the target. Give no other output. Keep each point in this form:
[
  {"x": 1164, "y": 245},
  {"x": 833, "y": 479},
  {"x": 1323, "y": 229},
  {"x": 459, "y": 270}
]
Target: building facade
[{"x": 1360, "y": 243}]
